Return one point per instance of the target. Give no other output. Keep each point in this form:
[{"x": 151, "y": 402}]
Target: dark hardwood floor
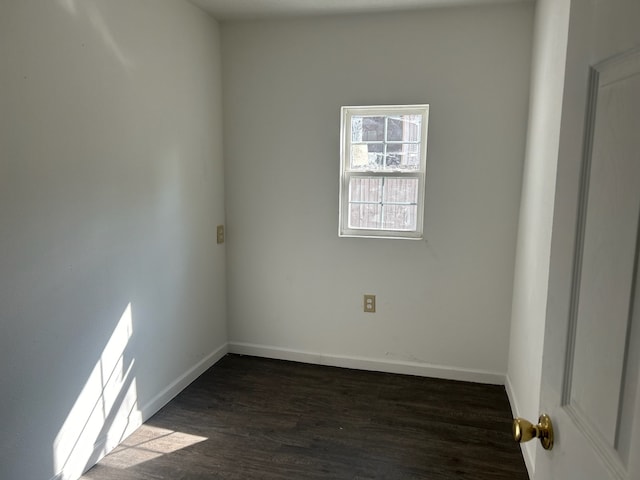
[{"x": 250, "y": 418}]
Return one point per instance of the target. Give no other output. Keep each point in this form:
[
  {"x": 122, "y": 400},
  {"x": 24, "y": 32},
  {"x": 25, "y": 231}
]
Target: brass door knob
[{"x": 523, "y": 431}]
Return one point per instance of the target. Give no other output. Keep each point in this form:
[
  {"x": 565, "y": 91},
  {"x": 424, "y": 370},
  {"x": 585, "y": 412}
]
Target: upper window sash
[{"x": 379, "y": 148}]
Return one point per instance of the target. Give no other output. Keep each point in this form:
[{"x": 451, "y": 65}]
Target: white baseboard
[
  {"x": 527, "y": 448},
  {"x": 180, "y": 383},
  {"x": 372, "y": 364}
]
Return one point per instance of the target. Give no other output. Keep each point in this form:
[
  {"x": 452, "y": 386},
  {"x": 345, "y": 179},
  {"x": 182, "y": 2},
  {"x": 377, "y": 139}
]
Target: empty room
[{"x": 337, "y": 239}]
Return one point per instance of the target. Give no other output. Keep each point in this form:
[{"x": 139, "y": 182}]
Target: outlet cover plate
[{"x": 370, "y": 303}]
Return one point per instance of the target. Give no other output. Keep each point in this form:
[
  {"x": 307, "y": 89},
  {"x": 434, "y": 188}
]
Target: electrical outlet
[
  {"x": 220, "y": 234},
  {"x": 370, "y": 304}
]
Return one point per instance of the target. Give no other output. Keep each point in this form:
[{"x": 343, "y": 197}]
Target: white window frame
[{"x": 346, "y": 173}]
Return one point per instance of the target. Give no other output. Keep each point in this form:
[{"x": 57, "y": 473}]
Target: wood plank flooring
[{"x": 255, "y": 418}]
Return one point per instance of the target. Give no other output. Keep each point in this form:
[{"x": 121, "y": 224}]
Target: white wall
[
  {"x": 112, "y": 289},
  {"x": 294, "y": 288},
  {"x": 536, "y": 212}
]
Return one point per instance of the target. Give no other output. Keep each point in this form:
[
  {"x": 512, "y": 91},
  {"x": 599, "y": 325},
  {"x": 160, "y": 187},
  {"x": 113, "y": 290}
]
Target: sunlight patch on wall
[
  {"x": 148, "y": 443},
  {"x": 106, "y": 409},
  {"x": 109, "y": 40},
  {"x": 99, "y": 24}
]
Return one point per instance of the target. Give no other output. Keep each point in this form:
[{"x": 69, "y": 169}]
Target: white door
[{"x": 590, "y": 379}]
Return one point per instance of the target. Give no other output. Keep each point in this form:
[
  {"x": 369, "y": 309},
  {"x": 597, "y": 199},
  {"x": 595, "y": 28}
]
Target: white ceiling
[{"x": 246, "y": 9}]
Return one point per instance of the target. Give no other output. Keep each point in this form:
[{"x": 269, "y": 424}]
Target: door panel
[
  {"x": 609, "y": 250},
  {"x": 597, "y": 408}
]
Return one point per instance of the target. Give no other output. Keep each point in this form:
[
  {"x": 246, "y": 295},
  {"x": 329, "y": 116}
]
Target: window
[{"x": 382, "y": 171}]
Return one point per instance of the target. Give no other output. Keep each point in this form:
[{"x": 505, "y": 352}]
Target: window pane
[
  {"x": 404, "y": 128},
  {"x": 356, "y": 129},
  {"x": 393, "y": 157},
  {"x": 400, "y": 217},
  {"x": 410, "y": 157},
  {"x": 394, "y": 129},
  {"x": 401, "y": 190},
  {"x": 365, "y": 216},
  {"x": 367, "y": 156},
  {"x": 365, "y": 189},
  {"x": 359, "y": 156},
  {"x": 367, "y": 129},
  {"x": 402, "y": 156}
]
